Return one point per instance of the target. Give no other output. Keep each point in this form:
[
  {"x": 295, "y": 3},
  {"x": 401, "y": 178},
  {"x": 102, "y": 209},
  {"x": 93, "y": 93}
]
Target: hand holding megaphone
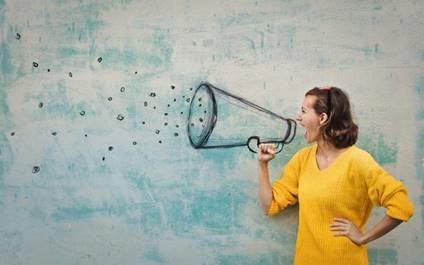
[{"x": 266, "y": 152}]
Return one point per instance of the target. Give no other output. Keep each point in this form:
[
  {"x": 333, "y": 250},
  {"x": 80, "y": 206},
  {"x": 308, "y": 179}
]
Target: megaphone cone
[{"x": 219, "y": 119}]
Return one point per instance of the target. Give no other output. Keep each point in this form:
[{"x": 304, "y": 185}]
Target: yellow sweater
[{"x": 348, "y": 188}]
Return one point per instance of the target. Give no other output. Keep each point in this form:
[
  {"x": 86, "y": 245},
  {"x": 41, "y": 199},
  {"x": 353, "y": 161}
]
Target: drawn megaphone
[{"x": 219, "y": 119}]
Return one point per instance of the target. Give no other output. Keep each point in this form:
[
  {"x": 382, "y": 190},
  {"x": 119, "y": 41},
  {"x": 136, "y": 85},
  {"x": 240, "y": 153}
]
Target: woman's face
[{"x": 310, "y": 120}]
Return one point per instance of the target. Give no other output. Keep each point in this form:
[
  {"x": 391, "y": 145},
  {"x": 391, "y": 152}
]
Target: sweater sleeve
[
  {"x": 385, "y": 191},
  {"x": 285, "y": 189}
]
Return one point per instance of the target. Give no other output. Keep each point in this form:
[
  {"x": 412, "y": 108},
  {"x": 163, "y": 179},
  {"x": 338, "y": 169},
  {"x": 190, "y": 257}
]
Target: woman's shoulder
[{"x": 361, "y": 156}]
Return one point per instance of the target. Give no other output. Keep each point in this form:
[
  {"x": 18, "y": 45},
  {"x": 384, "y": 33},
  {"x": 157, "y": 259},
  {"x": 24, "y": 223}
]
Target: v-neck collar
[{"x": 332, "y": 164}]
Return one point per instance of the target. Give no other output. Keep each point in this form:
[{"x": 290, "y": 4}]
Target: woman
[{"x": 335, "y": 183}]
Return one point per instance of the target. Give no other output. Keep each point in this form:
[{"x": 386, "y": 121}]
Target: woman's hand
[
  {"x": 344, "y": 227},
  {"x": 266, "y": 152}
]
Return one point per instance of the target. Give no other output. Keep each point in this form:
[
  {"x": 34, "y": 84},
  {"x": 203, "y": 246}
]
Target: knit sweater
[{"x": 349, "y": 188}]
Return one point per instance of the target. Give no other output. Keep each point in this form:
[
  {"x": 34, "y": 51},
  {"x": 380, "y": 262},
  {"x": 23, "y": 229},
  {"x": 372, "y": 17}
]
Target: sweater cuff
[{"x": 400, "y": 207}]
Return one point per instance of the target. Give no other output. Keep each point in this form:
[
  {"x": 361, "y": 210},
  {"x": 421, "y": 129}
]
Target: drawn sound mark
[
  {"x": 160, "y": 141},
  {"x": 145, "y": 103},
  {"x": 153, "y": 94},
  {"x": 40, "y": 105},
  {"x": 54, "y": 133},
  {"x": 82, "y": 113},
  {"x": 143, "y": 122},
  {"x": 110, "y": 148},
  {"x": 99, "y": 59},
  {"x": 35, "y": 64},
  {"x": 70, "y": 74},
  {"x": 120, "y": 117},
  {"x": 48, "y": 70},
  {"x": 157, "y": 131},
  {"x": 172, "y": 87},
  {"x": 122, "y": 89},
  {"x": 103, "y": 158},
  {"x": 135, "y": 72},
  {"x": 176, "y": 134},
  {"x": 35, "y": 169},
  {"x": 12, "y": 134},
  {"x": 18, "y": 36},
  {"x": 109, "y": 98},
  {"x": 134, "y": 143}
]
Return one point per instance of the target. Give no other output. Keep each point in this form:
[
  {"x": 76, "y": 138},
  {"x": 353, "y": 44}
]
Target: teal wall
[{"x": 91, "y": 174}]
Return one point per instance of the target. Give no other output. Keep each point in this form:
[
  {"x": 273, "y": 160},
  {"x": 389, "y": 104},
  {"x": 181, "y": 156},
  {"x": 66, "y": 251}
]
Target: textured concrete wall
[{"x": 95, "y": 162}]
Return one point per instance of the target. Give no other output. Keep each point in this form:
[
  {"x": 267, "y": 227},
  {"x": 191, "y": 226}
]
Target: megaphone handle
[
  {"x": 279, "y": 147},
  {"x": 252, "y": 138}
]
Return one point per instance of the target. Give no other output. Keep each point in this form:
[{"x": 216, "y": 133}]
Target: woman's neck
[{"x": 328, "y": 150}]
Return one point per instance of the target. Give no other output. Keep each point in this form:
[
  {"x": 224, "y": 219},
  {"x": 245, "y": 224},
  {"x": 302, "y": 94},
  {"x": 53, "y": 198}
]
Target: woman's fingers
[{"x": 267, "y": 148}]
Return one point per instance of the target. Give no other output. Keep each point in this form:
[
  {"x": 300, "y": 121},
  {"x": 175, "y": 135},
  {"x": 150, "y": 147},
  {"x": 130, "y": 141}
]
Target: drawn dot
[
  {"x": 191, "y": 88},
  {"x": 40, "y": 105},
  {"x": 145, "y": 103},
  {"x": 109, "y": 98},
  {"x": 166, "y": 124},
  {"x": 103, "y": 158},
  {"x": 183, "y": 96},
  {"x": 82, "y": 113},
  {"x": 110, "y": 148},
  {"x": 48, "y": 70},
  {"x": 143, "y": 122},
  {"x": 169, "y": 105},
  {"x": 157, "y": 131},
  {"x": 188, "y": 99},
  {"x": 200, "y": 105},
  {"x": 177, "y": 126},
  {"x": 120, "y": 117},
  {"x": 122, "y": 89},
  {"x": 176, "y": 134},
  {"x": 134, "y": 143},
  {"x": 153, "y": 94},
  {"x": 70, "y": 74},
  {"x": 160, "y": 141},
  {"x": 200, "y": 119},
  {"x": 172, "y": 87},
  {"x": 192, "y": 124},
  {"x": 135, "y": 72},
  {"x": 154, "y": 107},
  {"x": 175, "y": 99},
  {"x": 200, "y": 99},
  {"x": 182, "y": 112},
  {"x": 85, "y": 135},
  {"x": 205, "y": 111},
  {"x": 99, "y": 59},
  {"x": 12, "y": 134},
  {"x": 166, "y": 114},
  {"x": 35, "y": 169},
  {"x": 18, "y": 36},
  {"x": 35, "y": 64},
  {"x": 54, "y": 133}
]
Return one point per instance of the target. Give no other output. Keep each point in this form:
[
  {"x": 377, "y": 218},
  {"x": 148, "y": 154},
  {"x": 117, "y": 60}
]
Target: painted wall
[{"x": 95, "y": 162}]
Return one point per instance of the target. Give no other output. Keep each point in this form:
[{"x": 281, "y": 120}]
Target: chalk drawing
[{"x": 219, "y": 119}]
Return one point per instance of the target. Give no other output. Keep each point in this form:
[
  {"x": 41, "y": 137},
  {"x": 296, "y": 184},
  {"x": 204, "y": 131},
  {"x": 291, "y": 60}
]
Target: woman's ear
[{"x": 323, "y": 118}]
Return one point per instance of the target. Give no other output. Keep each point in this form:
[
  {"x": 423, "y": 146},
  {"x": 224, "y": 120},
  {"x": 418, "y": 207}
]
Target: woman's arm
[
  {"x": 264, "y": 186},
  {"x": 265, "y": 154},
  {"x": 343, "y": 227}
]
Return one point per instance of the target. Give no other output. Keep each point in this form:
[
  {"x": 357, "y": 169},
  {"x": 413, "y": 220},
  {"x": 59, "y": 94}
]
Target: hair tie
[{"x": 325, "y": 88}]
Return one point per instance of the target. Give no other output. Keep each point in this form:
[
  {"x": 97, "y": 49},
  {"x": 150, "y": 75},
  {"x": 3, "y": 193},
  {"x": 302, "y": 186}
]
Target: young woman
[{"x": 335, "y": 183}]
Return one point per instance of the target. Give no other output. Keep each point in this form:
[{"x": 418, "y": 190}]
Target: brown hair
[{"x": 339, "y": 129}]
